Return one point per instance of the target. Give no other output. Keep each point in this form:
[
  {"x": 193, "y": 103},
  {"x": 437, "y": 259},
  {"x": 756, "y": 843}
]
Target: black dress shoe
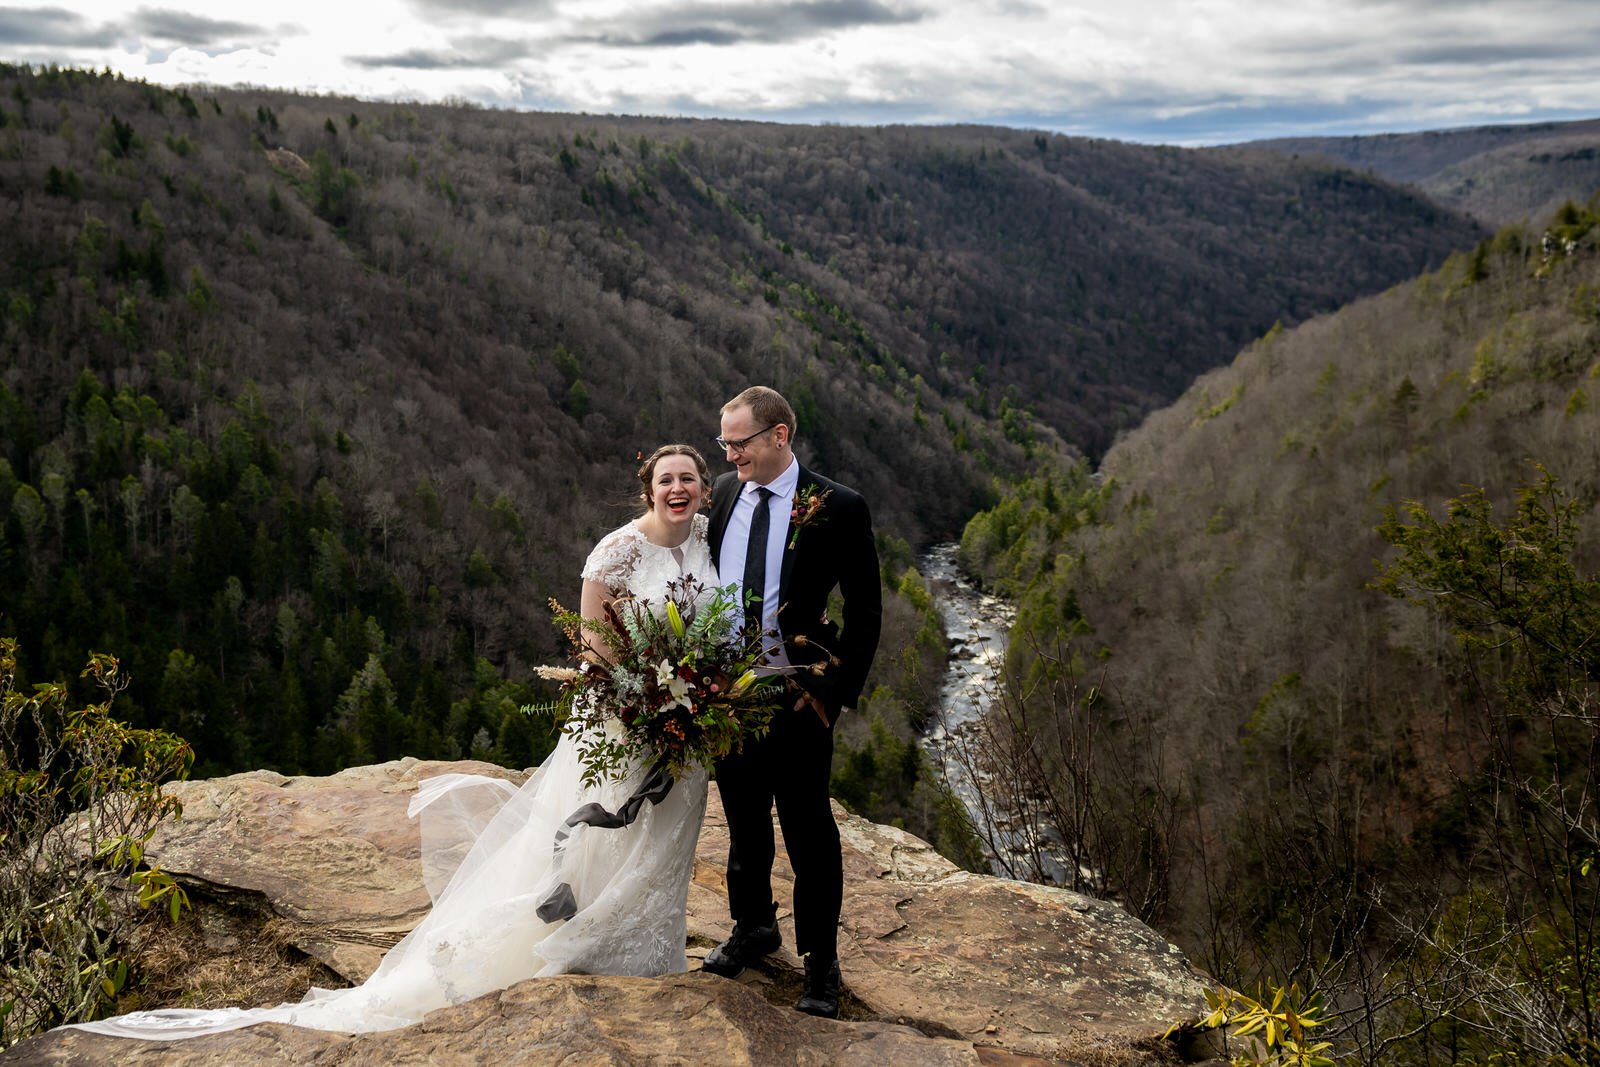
[
  {"x": 748, "y": 944},
  {"x": 822, "y": 987}
]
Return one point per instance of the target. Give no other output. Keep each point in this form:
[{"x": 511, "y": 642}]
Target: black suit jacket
[{"x": 834, "y": 549}]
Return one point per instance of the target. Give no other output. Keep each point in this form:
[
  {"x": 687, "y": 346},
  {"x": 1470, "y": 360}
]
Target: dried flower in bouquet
[{"x": 677, "y": 683}]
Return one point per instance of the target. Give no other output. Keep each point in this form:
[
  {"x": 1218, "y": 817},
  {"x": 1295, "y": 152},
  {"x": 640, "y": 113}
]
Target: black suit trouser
[{"x": 790, "y": 767}]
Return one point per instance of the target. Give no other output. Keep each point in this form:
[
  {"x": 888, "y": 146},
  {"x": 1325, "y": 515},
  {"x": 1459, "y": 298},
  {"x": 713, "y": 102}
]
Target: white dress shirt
[{"x": 737, "y": 536}]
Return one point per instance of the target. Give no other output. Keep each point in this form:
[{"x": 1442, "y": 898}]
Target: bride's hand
[{"x": 593, "y": 606}]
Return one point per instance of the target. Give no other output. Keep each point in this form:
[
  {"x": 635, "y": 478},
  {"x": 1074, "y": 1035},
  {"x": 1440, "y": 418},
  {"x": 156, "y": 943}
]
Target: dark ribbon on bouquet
[{"x": 560, "y": 903}]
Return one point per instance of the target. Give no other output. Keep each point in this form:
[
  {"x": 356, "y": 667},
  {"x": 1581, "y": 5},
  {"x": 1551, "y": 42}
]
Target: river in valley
[{"x": 977, "y": 625}]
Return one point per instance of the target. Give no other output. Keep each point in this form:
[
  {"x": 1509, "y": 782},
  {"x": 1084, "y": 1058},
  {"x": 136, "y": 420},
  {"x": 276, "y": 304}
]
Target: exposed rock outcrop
[{"x": 940, "y": 966}]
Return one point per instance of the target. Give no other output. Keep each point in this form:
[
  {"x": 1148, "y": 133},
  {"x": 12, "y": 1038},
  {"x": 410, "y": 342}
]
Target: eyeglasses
[{"x": 739, "y": 445}]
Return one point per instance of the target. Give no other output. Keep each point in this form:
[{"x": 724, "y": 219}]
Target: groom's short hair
[{"x": 766, "y": 405}]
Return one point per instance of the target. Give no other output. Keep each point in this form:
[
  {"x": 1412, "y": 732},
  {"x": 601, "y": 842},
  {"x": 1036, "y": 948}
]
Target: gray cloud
[
  {"x": 1532, "y": 15},
  {"x": 1358, "y": 66},
  {"x": 52, "y": 26},
  {"x": 746, "y": 23},
  {"x": 688, "y": 35},
  {"x": 181, "y": 27},
  {"x": 1478, "y": 54},
  {"x": 452, "y": 10},
  {"x": 415, "y": 59},
  {"x": 467, "y": 53},
  {"x": 1388, "y": 54}
]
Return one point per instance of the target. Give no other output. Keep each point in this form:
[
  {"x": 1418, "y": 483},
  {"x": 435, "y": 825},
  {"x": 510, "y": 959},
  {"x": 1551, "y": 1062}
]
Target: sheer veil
[{"x": 490, "y": 857}]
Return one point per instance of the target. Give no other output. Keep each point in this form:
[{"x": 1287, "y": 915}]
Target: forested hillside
[
  {"x": 1312, "y": 731},
  {"x": 1523, "y": 182},
  {"x": 1500, "y": 174},
  {"x": 307, "y": 404}
]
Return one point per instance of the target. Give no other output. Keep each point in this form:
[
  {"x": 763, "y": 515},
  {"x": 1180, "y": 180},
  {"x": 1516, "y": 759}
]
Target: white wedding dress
[{"x": 490, "y": 860}]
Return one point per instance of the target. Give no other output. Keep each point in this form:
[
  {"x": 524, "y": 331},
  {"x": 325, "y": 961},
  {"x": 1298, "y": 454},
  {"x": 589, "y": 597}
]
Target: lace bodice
[{"x": 625, "y": 560}]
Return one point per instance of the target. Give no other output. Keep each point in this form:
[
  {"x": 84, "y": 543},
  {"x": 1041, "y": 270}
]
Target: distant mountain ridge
[{"x": 1501, "y": 174}]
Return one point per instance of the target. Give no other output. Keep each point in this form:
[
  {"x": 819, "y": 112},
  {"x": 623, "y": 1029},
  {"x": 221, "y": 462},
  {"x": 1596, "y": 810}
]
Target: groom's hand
[{"x": 806, "y": 699}]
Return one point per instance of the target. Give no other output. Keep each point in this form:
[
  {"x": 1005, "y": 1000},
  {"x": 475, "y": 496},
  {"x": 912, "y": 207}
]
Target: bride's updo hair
[{"x": 647, "y": 471}]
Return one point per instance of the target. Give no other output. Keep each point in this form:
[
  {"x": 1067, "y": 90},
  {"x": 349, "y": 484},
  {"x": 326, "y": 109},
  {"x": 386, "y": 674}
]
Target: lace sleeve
[
  {"x": 698, "y": 560},
  {"x": 614, "y": 559}
]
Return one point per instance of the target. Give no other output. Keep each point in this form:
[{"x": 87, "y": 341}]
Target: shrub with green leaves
[
  {"x": 80, "y": 798},
  {"x": 1272, "y": 1028},
  {"x": 1512, "y": 966}
]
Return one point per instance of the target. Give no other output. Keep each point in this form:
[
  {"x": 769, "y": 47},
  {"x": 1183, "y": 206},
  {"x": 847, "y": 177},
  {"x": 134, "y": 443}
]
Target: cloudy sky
[{"x": 1171, "y": 71}]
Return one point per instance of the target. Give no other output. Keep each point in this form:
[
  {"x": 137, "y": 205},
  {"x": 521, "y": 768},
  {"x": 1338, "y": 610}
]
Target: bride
[{"x": 491, "y": 854}]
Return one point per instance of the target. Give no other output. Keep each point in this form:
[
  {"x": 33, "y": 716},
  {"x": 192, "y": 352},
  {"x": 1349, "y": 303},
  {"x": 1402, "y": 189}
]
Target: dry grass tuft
[{"x": 219, "y": 956}]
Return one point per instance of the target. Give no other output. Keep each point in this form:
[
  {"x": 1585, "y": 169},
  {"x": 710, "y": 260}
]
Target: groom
[{"x": 790, "y": 536}]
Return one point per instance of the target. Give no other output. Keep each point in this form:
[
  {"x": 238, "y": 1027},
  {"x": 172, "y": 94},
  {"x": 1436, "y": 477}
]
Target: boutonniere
[{"x": 803, "y": 512}]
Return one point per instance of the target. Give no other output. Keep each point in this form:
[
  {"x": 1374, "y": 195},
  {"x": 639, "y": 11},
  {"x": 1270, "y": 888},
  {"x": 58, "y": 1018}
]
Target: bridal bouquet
[{"x": 681, "y": 687}]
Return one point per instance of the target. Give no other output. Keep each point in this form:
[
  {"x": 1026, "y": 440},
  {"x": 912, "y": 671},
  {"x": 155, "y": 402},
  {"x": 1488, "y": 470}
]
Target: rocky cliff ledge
[{"x": 940, "y": 966}]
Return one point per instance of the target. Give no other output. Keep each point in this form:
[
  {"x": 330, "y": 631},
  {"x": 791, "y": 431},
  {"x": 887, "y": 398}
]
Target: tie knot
[{"x": 762, "y": 493}]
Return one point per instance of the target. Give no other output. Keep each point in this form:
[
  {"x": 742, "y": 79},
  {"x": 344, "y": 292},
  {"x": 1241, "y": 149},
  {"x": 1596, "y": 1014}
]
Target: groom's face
[{"x": 765, "y": 454}]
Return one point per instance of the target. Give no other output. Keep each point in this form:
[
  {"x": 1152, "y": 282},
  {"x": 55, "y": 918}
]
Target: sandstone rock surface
[
  {"x": 683, "y": 1019},
  {"x": 940, "y": 965}
]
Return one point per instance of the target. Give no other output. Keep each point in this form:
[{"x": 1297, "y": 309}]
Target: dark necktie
[{"x": 755, "y": 562}]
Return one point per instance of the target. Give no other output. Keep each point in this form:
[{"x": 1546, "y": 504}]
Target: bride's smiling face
[{"x": 676, "y": 489}]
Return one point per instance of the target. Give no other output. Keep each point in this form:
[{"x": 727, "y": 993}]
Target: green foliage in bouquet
[{"x": 675, "y": 681}]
